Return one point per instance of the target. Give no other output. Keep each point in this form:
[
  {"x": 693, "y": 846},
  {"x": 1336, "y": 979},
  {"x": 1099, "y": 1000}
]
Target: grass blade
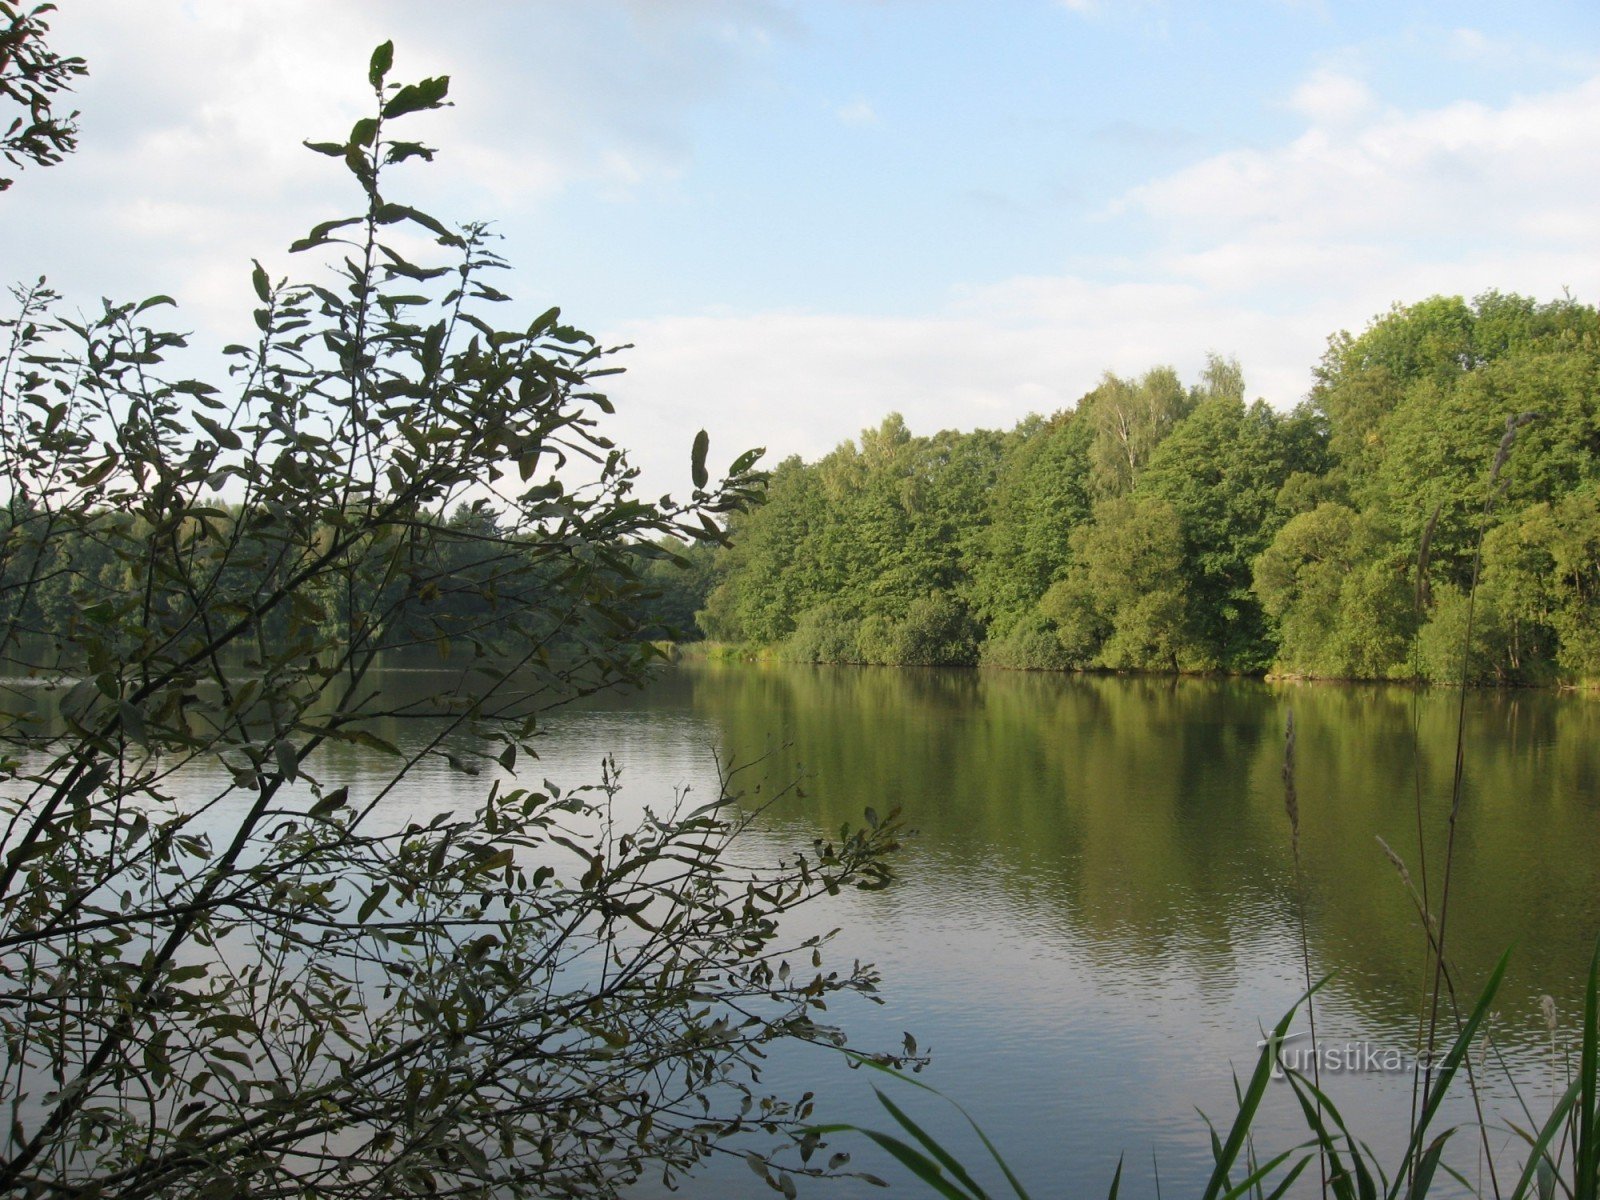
[
  {"x": 1587, "y": 1150},
  {"x": 939, "y": 1152},
  {"x": 1423, "y": 1179},
  {"x": 1539, "y": 1148},
  {"x": 1247, "y": 1109},
  {"x": 1005, "y": 1169},
  {"x": 1447, "y": 1069},
  {"x": 919, "y": 1164}
]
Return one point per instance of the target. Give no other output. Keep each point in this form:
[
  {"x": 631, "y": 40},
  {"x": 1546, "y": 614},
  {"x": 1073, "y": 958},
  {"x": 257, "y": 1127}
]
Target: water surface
[{"x": 1100, "y": 910}]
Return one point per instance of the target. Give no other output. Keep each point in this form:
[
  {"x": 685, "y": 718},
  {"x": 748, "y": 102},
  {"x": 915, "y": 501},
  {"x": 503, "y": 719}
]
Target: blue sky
[{"x": 805, "y": 215}]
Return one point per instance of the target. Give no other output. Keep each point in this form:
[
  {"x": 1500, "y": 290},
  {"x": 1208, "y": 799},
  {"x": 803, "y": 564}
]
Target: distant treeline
[
  {"x": 1158, "y": 526},
  {"x": 449, "y": 584}
]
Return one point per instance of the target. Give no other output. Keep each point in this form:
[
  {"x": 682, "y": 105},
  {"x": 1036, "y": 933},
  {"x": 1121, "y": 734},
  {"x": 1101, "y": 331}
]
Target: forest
[
  {"x": 1163, "y": 526},
  {"x": 1153, "y": 526}
]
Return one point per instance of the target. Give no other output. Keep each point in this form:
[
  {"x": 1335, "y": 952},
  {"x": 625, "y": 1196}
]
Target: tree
[
  {"x": 1130, "y": 419},
  {"x": 278, "y": 987},
  {"x": 1125, "y": 584},
  {"x": 1343, "y": 606},
  {"x": 1222, "y": 469},
  {"x": 30, "y": 76}
]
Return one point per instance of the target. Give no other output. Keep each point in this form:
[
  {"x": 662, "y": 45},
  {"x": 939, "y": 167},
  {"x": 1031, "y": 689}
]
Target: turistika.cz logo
[{"x": 1296, "y": 1052}]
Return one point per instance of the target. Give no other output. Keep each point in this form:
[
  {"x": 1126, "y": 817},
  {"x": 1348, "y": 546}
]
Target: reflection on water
[{"x": 1099, "y": 912}]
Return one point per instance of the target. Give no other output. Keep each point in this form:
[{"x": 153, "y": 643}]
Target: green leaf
[
  {"x": 371, "y": 903},
  {"x": 746, "y": 460},
  {"x": 389, "y": 214},
  {"x": 415, "y": 97},
  {"x": 288, "y": 759},
  {"x": 382, "y": 60},
  {"x": 132, "y": 721},
  {"x": 697, "y": 458},
  {"x": 1228, "y": 1152},
  {"x": 258, "y": 279},
  {"x": 330, "y": 803},
  {"x": 1452, "y": 1063},
  {"x": 944, "y": 1157},
  {"x": 223, "y": 437},
  {"x": 319, "y": 233},
  {"x": 99, "y": 473},
  {"x": 920, "y": 1165}
]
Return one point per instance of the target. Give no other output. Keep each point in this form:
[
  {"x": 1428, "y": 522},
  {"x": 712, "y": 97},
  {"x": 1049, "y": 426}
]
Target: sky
[{"x": 805, "y": 214}]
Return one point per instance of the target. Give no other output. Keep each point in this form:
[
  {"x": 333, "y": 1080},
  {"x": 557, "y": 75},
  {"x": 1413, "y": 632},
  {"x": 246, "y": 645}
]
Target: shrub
[{"x": 280, "y": 986}]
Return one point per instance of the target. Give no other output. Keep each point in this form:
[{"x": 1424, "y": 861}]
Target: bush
[
  {"x": 1032, "y": 644},
  {"x": 824, "y": 634},
  {"x": 278, "y": 987},
  {"x": 936, "y": 631},
  {"x": 1441, "y": 639}
]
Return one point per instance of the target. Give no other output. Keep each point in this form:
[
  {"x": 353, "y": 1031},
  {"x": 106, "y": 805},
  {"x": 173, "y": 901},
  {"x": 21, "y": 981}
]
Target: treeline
[
  {"x": 1163, "y": 526},
  {"x": 449, "y": 584}
]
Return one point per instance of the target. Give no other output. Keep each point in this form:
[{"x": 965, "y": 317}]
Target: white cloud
[
  {"x": 1330, "y": 97},
  {"x": 191, "y": 161},
  {"x": 1257, "y": 253},
  {"x": 1465, "y": 174},
  {"x": 800, "y": 382}
]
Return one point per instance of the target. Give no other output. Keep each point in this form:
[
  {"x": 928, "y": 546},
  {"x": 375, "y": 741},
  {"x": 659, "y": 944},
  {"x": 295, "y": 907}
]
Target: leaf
[
  {"x": 415, "y": 97},
  {"x": 371, "y": 903},
  {"x": 1254, "y": 1093},
  {"x": 132, "y": 721},
  {"x": 389, "y": 214},
  {"x": 225, "y": 438},
  {"x": 697, "y": 458},
  {"x": 746, "y": 460},
  {"x": 100, "y": 472},
  {"x": 330, "y": 803},
  {"x": 288, "y": 760},
  {"x": 258, "y": 280},
  {"x": 382, "y": 60},
  {"x": 319, "y": 233}
]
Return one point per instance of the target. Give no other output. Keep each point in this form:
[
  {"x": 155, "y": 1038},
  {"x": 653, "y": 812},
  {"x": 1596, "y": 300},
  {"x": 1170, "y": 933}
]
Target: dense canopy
[{"x": 1163, "y": 526}]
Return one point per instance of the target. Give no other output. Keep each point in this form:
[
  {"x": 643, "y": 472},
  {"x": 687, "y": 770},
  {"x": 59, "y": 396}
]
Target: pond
[{"x": 1099, "y": 912}]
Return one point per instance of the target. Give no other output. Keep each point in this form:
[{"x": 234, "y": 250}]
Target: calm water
[{"x": 1098, "y": 913}]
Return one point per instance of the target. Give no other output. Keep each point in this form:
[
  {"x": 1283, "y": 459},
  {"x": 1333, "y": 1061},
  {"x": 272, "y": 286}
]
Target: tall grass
[{"x": 1560, "y": 1154}]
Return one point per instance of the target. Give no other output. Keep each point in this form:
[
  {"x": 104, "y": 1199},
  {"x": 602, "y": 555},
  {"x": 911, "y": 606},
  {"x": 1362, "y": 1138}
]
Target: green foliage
[
  {"x": 1222, "y": 471},
  {"x": 1159, "y": 527},
  {"x": 282, "y": 986},
  {"x": 31, "y": 76},
  {"x": 1130, "y": 419},
  {"x": 825, "y": 634},
  {"x": 1040, "y": 495},
  {"x": 1443, "y": 636},
  {"x": 1126, "y": 579}
]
